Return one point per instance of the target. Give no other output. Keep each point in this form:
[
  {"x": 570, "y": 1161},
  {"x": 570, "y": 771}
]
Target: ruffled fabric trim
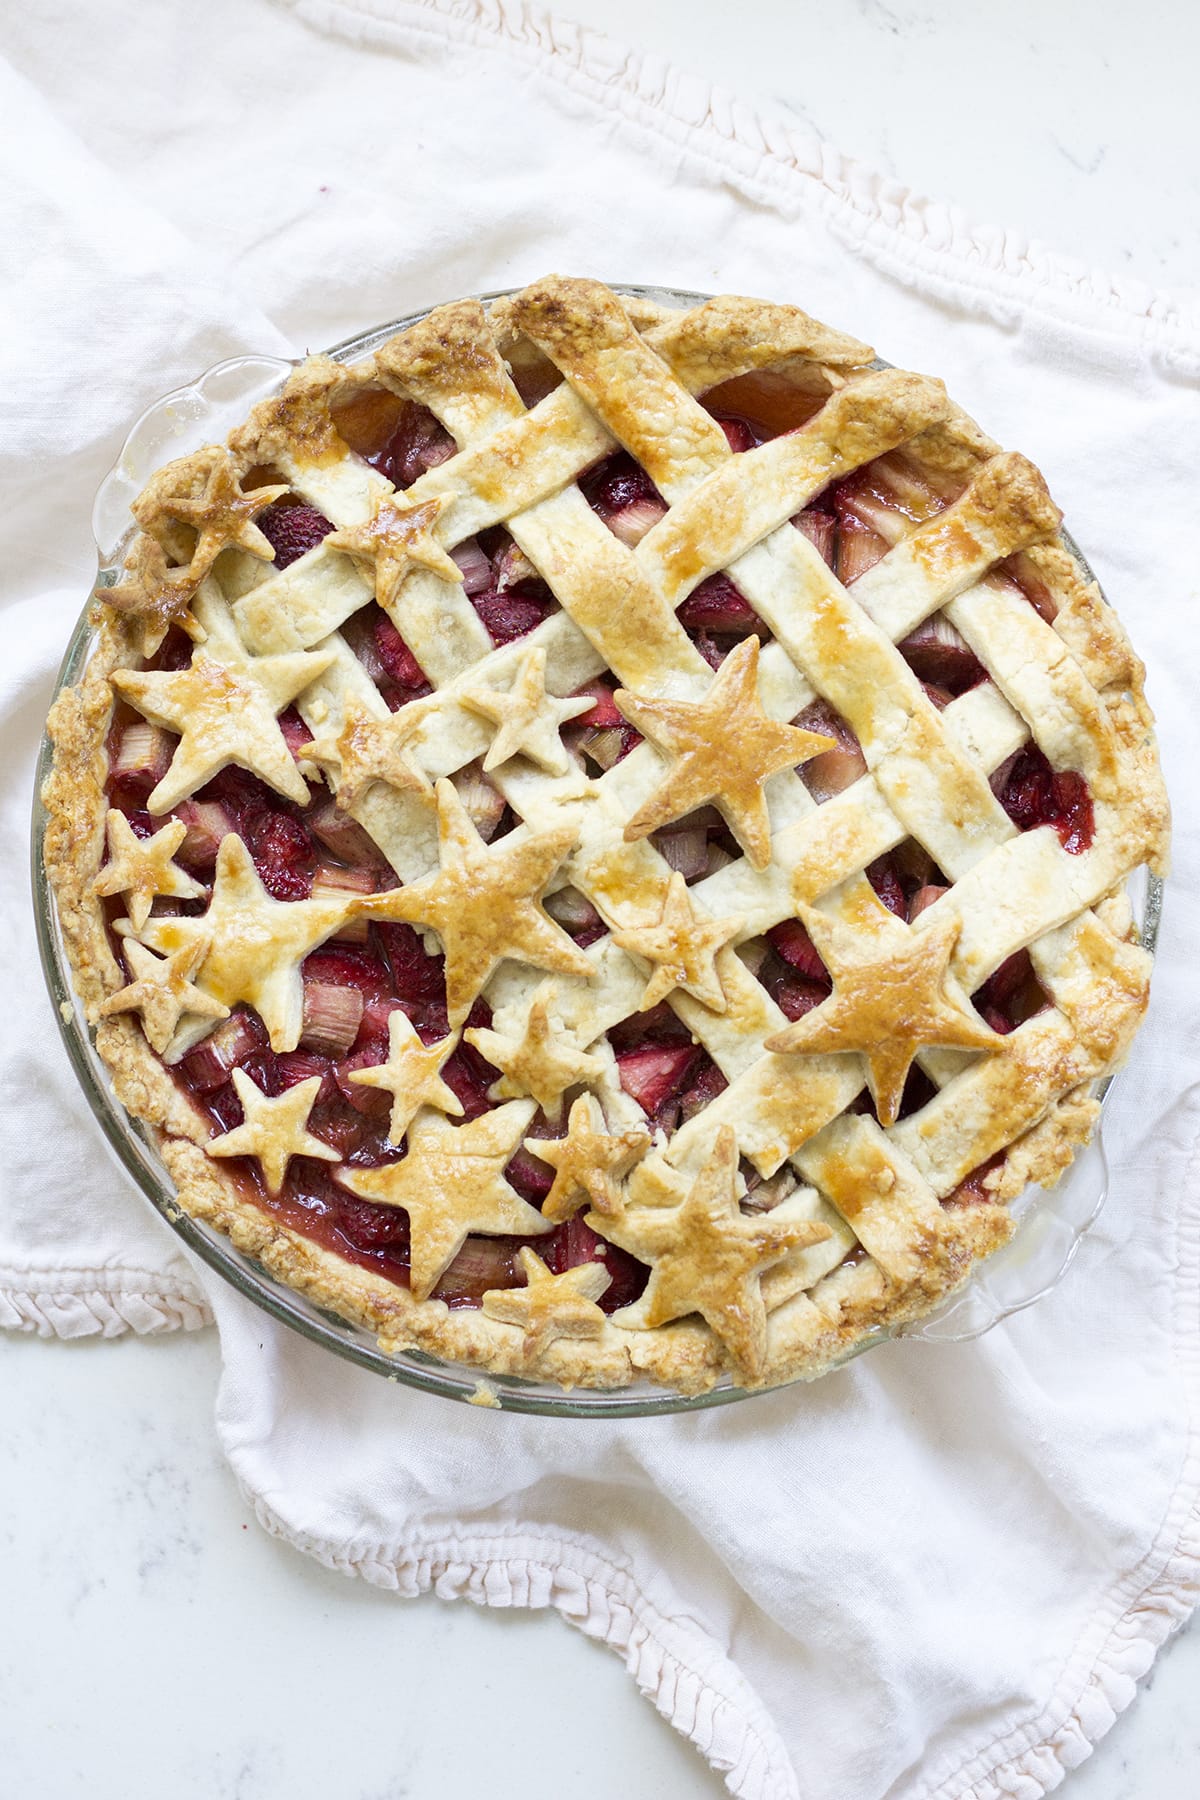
[
  {"x": 98, "y": 1303},
  {"x": 679, "y": 1669},
  {"x": 987, "y": 267}
]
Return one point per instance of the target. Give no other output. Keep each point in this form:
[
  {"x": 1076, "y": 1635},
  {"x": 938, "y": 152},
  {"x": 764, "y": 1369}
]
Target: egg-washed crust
[{"x": 810, "y": 1328}]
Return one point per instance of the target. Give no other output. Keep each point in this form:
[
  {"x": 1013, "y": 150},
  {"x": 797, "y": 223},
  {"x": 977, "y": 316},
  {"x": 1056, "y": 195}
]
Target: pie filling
[{"x": 356, "y": 980}]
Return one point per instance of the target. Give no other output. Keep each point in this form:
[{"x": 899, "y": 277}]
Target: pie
[{"x": 598, "y": 836}]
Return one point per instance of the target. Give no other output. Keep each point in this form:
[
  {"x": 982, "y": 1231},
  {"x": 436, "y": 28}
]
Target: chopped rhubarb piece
[
  {"x": 718, "y": 605},
  {"x": 834, "y": 770},
  {"x": 481, "y": 1264},
  {"x": 417, "y": 443},
  {"x": 292, "y": 530},
  {"x": 792, "y": 942},
  {"x": 346, "y": 965},
  {"x": 820, "y": 528},
  {"x": 531, "y": 1177},
  {"x": 739, "y": 435},
  {"x": 714, "y": 653},
  {"x": 1035, "y": 794},
  {"x": 631, "y": 523},
  {"x": 234, "y": 1041},
  {"x": 510, "y": 615},
  {"x": 337, "y": 832},
  {"x": 924, "y": 897},
  {"x": 295, "y": 1066},
  {"x": 858, "y": 549},
  {"x": 142, "y": 758},
  {"x": 703, "y": 1087},
  {"x": 602, "y": 745},
  {"x": 207, "y": 823},
  {"x": 335, "y": 881},
  {"x": 510, "y": 567},
  {"x": 887, "y": 884},
  {"x": 573, "y": 910},
  {"x": 795, "y": 996},
  {"x": 332, "y": 1016},
  {"x": 369, "y": 1101},
  {"x": 418, "y": 976},
  {"x": 937, "y": 696},
  {"x": 604, "y": 713},
  {"x": 686, "y": 851},
  {"x": 296, "y": 734},
  {"x": 394, "y": 654},
  {"x": 619, "y": 482},
  {"x": 996, "y": 1017},
  {"x": 937, "y": 653},
  {"x": 1019, "y": 572},
  {"x": 484, "y": 803},
  {"x": 654, "y": 1074},
  {"x": 283, "y": 855},
  {"x": 476, "y": 569}
]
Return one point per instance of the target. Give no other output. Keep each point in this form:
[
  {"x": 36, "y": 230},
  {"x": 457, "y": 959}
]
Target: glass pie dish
[{"x": 1050, "y": 1223}]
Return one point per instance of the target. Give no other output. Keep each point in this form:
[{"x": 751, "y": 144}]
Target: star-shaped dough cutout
[
  {"x": 367, "y": 750},
  {"x": 396, "y": 538},
  {"x": 542, "y": 1061},
  {"x": 152, "y": 594},
  {"x": 588, "y": 1163},
  {"x": 683, "y": 949},
  {"x": 142, "y": 867},
  {"x": 452, "y": 1183},
  {"x": 725, "y": 747},
  {"x": 411, "y": 1074},
  {"x": 253, "y": 945},
  {"x": 707, "y": 1256},
  {"x": 162, "y": 991},
  {"x": 551, "y": 1306},
  {"x": 224, "y": 706},
  {"x": 886, "y": 1007},
  {"x": 483, "y": 903},
  {"x": 529, "y": 718},
  {"x": 221, "y": 515},
  {"x": 274, "y": 1130}
]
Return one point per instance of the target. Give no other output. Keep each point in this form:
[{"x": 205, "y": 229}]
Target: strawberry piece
[
  {"x": 791, "y": 941},
  {"x": 924, "y": 897},
  {"x": 372, "y": 1227},
  {"x": 283, "y": 855},
  {"x": 510, "y": 615},
  {"x": 887, "y": 884},
  {"x": 713, "y": 653},
  {"x": 795, "y": 996},
  {"x": 658, "y": 1026},
  {"x": 373, "y": 1102},
  {"x": 469, "y": 1075},
  {"x": 531, "y": 1177},
  {"x": 574, "y": 1242},
  {"x": 1035, "y": 794},
  {"x": 718, "y": 605},
  {"x": 654, "y": 1074},
  {"x": 394, "y": 654},
  {"x": 292, "y": 530},
  {"x": 418, "y": 442},
  {"x": 295, "y": 1066},
  {"x": 417, "y": 976},
  {"x": 603, "y": 714},
  {"x": 296, "y": 734},
  {"x": 174, "y": 653},
  {"x": 833, "y": 771},
  {"x": 347, "y": 966},
  {"x": 738, "y": 434},
  {"x": 619, "y": 482},
  {"x": 971, "y": 1191}
]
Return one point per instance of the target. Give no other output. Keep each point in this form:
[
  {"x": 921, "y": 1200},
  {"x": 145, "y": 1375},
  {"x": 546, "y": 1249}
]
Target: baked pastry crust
[{"x": 886, "y": 1216}]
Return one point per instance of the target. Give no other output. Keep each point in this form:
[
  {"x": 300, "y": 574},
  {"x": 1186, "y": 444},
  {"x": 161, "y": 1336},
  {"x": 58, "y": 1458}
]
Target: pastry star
[
  {"x": 369, "y": 749},
  {"x": 588, "y": 1162},
  {"x": 886, "y": 1008},
  {"x": 142, "y": 867},
  {"x": 394, "y": 538},
  {"x": 725, "y": 748},
  {"x": 224, "y": 707},
  {"x": 253, "y": 945},
  {"x": 222, "y": 516},
  {"x": 483, "y": 903},
  {"x": 529, "y": 718},
  {"x": 153, "y": 594},
  {"x": 551, "y": 1306},
  {"x": 684, "y": 948},
  {"x": 451, "y": 1183},
  {"x": 274, "y": 1130},
  {"x": 706, "y": 1256},
  {"x": 542, "y": 1061},
  {"x": 411, "y": 1074},
  {"x": 162, "y": 991}
]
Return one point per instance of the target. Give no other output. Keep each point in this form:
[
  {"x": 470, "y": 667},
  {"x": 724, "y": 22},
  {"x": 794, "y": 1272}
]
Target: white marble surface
[{"x": 158, "y": 1642}]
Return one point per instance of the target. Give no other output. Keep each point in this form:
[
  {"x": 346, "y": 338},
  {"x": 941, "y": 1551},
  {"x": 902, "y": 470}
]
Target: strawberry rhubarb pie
[{"x": 597, "y": 838}]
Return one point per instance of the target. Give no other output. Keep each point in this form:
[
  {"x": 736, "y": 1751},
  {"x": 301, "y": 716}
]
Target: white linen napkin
[{"x": 940, "y": 1571}]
